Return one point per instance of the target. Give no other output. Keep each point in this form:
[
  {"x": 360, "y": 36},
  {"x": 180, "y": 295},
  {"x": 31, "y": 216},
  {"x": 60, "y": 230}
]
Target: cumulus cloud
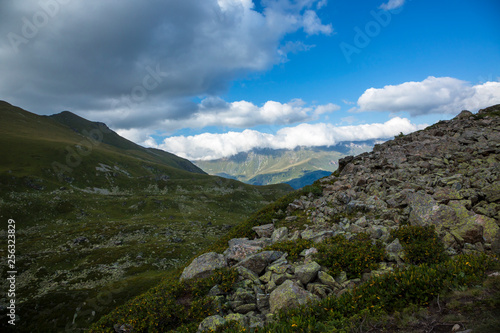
[
  {"x": 213, "y": 111},
  {"x": 433, "y": 95},
  {"x": 209, "y": 146},
  {"x": 392, "y": 4},
  {"x": 143, "y": 56}
]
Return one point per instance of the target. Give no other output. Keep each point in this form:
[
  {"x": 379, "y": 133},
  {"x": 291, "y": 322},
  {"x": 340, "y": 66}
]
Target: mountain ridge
[{"x": 265, "y": 166}]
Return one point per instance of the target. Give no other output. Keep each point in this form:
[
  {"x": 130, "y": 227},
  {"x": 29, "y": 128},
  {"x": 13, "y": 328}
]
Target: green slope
[{"x": 94, "y": 213}]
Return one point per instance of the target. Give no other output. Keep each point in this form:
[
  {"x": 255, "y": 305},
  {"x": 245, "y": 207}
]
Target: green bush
[
  {"x": 171, "y": 305},
  {"x": 293, "y": 248},
  {"x": 420, "y": 244},
  {"x": 354, "y": 256}
]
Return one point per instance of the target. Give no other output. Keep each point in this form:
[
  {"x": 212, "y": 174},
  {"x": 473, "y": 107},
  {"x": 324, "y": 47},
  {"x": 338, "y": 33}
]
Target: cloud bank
[
  {"x": 152, "y": 57},
  {"x": 209, "y": 146},
  {"x": 443, "y": 95}
]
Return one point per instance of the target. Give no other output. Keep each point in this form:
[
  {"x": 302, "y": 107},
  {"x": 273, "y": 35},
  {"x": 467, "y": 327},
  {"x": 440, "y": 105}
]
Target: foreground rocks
[{"x": 447, "y": 175}]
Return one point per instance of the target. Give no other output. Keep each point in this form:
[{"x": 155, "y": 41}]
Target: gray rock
[
  {"x": 203, "y": 266},
  {"x": 246, "y": 308},
  {"x": 279, "y": 235},
  {"x": 259, "y": 261},
  {"x": 238, "y": 317},
  {"x": 264, "y": 231},
  {"x": 394, "y": 251},
  {"x": 307, "y": 273},
  {"x": 240, "y": 248},
  {"x": 248, "y": 275},
  {"x": 318, "y": 289},
  {"x": 211, "y": 323},
  {"x": 328, "y": 280},
  {"x": 290, "y": 295}
]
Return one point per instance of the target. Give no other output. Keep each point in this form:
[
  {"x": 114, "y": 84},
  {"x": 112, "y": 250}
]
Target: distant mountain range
[{"x": 297, "y": 167}]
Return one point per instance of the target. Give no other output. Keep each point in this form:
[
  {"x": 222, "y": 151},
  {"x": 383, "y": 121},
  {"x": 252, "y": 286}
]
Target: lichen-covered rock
[
  {"x": 318, "y": 289},
  {"x": 495, "y": 243},
  {"x": 394, "y": 251},
  {"x": 279, "y": 235},
  {"x": 211, "y": 323},
  {"x": 259, "y": 261},
  {"x": 240, "y": 248},
  {"x": 307, "y": 273},
  {"x": 203, "y": 266},
  {"x": 238, "y": 317},
  {"x": 264, "y": 231},
  {"x": 290, "y": 295},
  {"x": 328, "y": 280},
  {"x": 492, "y": 192},
  {"x": 248, "y": 275}
]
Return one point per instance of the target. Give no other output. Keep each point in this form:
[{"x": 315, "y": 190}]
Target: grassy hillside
[{"x": 99, "y": 219}]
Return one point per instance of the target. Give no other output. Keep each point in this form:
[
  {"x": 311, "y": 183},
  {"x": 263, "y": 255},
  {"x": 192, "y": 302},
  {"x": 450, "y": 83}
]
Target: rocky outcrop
[{"x": 447, "y": 176}]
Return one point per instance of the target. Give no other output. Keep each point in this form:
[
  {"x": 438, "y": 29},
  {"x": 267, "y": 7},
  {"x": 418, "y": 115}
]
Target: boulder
[
  {"x": 289, "y": 295},
  {"x": 240, "y": 248},
  {"x": 241, "y": 319},
  {"x": 248, "y": 275},
  {"x": 463, "y": 224},
  {"x": 394, "y": 251},
  {"x": 211, "y": 323},
  {"x": 264, "y": 231},
  {"x": 307, "y": 273},
  {"x": 319, "y": 289},
  {"x": 328, "y": 280},
  {"x": 279, "y": 235},
  {"x": 203, "y": 266},
  {"x": 492, "y": 192},
  {"x": 259, "y": 261}
]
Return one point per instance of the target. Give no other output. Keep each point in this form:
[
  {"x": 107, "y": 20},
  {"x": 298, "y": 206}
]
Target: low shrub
[
  {"x": 173, "y": 304},
  {"x": 354, "y": 256},
  {"x": 293, "y": 248},
  {"x": 420, "y": 244}
]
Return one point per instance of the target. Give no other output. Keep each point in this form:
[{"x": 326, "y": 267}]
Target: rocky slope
[{"x": 446, "y": 176}]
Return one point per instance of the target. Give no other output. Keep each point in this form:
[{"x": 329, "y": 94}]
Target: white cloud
[
  {"x": 433, "y": 95},
  {"x": 313, "y": 26},
  {"x": 213, "y": 146},
  {"x": 392, "y": 4},
  {"x": 321, "y": 4},
  {"x": 214, "y": 111},
  {"x": 349, "y": 119}
]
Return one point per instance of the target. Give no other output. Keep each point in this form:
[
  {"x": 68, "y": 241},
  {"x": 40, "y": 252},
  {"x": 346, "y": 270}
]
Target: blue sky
[{"x": 210, "y": 79}]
